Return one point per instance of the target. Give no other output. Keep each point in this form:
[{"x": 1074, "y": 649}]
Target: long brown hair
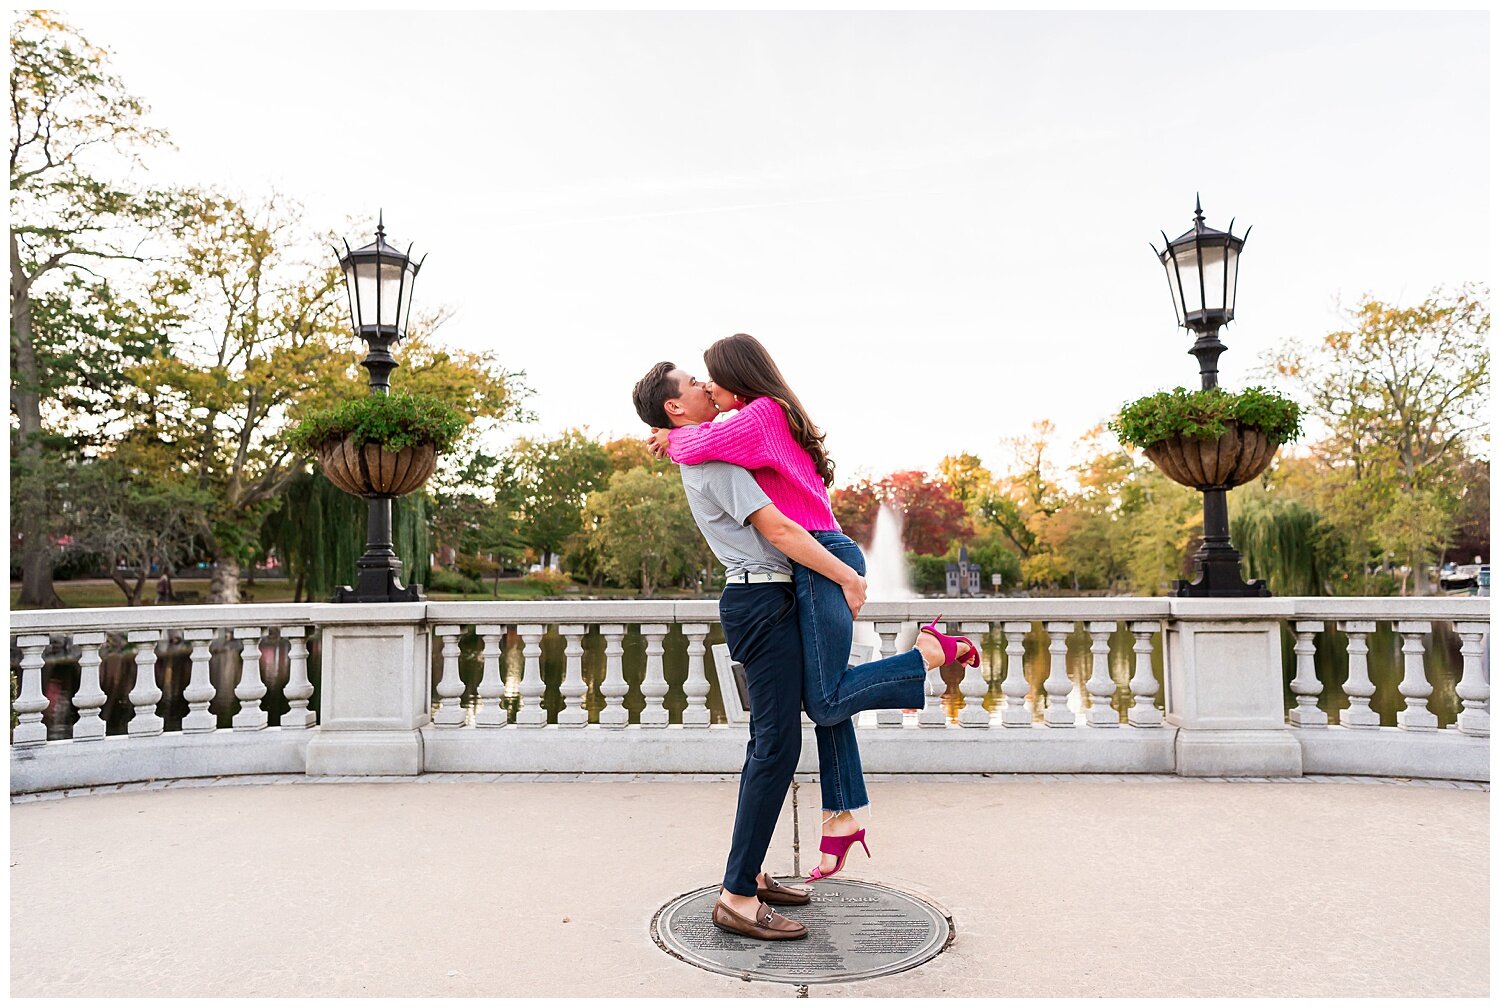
[{"x": 740, "y": 364}]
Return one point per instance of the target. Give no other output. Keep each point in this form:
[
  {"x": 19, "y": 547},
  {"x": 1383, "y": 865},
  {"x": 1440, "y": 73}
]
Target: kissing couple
[{"x": 757, "y": 485}]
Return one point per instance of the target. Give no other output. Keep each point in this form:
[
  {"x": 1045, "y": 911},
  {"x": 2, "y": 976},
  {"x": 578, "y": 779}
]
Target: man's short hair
[{"x": 652, "y": 392}]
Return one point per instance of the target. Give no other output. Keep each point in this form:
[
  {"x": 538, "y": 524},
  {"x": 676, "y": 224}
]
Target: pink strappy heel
[
  {"x": 950, "y": 645},
  {"x": 839, "y": 847}
]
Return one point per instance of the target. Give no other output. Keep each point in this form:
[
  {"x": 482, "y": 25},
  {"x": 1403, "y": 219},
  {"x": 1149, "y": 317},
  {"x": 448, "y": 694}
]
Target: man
[{"x": 758, "y": 610}]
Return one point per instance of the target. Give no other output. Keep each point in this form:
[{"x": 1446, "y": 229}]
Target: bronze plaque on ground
[{"x": 855, "y": 931}]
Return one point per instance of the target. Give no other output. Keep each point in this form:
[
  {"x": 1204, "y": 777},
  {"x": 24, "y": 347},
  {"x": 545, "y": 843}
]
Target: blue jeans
[
  {"x": 760, "y": 626},
  {"x": 833, "y": 691}
]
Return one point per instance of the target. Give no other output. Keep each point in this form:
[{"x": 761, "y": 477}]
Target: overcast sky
[{"x": 938, "y": 224}]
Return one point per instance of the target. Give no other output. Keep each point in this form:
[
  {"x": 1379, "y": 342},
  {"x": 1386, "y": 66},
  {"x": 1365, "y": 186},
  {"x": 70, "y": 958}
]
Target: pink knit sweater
[{"x": 759, "y": 439}]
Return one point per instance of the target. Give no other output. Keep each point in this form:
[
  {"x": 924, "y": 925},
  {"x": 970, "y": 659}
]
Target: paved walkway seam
[{"x": 242, "y": 780}]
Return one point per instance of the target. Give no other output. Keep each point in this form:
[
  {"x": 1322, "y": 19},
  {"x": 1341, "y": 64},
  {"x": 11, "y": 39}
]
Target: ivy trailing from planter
[
  {"x": 1206, "y": 414},
  {"x": 395, "y": 422}
]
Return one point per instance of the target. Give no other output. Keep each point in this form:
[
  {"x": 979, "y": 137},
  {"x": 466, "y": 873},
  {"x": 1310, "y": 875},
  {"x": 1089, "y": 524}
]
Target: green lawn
[{"x": 97, "y": 594}]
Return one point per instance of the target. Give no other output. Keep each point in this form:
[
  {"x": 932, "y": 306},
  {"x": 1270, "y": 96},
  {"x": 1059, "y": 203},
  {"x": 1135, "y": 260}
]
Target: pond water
[{"x": 117, "y": 673}]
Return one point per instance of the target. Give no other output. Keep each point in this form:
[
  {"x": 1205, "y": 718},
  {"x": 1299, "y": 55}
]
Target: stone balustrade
[{"x": 1187, "y": 686}]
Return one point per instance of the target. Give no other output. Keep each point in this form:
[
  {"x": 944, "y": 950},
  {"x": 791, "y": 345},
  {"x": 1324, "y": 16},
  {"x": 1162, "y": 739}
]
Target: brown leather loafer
[
  {"x": 767, "y": 926},
  {"x": 782, "y": 895}
]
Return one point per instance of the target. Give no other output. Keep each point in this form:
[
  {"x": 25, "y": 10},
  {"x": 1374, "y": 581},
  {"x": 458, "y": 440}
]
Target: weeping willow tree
[
  {"x": 1283, "y": 541},
  {"x": 319, "y": 533}
]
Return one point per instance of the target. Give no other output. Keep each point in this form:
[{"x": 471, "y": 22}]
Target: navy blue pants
[{"x": 763, "y": 633}]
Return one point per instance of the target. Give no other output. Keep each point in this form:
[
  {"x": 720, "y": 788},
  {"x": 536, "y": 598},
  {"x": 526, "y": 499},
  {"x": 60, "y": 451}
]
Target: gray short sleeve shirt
[{"x": 722, "y": 498}]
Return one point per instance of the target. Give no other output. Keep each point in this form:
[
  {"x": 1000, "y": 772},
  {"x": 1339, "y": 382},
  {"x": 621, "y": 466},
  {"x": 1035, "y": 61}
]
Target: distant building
[{"x": 963, "y": 577}]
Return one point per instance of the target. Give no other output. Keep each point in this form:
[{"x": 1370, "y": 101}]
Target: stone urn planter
[
  {"x": 1237, "y": 456},
  {"x": 379, "y": 446},
  {"x": 369, "y": 469},
  {"x": 1209, "y": 439}
]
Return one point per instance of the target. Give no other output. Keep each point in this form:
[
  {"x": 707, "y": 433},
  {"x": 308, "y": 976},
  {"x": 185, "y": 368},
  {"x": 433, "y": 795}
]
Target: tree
[
  {"x": 628, "y": 453},
  {"x": 1159, "y": 521},
  {"x": 256, "y": 336},
  {"x": 1471, "y": 535},
  {"x": 1402, "y": 394},
  {"x": 475, "y": 509},
  {"x": 1072, "y": 535},
  {"x": 554, "y": 479},
  {"x": 967, "y": 476},
  {"x": 261, "y": 335},
  {"x": 318, "y": 533},
  {"x": 932, "y": 516},
  {"x": 855, "y": 507},
  {"x": 642, "y": 529},
  {"x": 68, "y": 113},
  {"x": 1028, "y": 494},
  {"x": 1282, "y": 540},
  {"x": 132, "y": 522}
]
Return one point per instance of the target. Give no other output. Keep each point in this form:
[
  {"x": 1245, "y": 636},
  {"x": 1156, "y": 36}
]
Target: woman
[{"x": 774, "y": 438}]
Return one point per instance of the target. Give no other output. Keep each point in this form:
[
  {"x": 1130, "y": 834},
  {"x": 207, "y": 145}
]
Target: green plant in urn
[
  {"x": 1209, "y": 439},
  {"x": 380, "y": 445}
]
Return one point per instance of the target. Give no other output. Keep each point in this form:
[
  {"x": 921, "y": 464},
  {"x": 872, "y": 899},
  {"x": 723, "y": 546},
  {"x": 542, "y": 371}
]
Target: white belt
[{"x": 760, "y": 577}]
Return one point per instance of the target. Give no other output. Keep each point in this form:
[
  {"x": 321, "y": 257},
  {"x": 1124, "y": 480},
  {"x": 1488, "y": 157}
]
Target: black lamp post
[
  {"x": 379, "y": 279},
  {"x": 1203, "y": 273}
]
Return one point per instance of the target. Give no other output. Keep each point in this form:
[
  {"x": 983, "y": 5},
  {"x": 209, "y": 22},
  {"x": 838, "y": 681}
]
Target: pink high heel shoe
[
  {"x": 950, "y": 645},
  {"x": 839, "y": 847}
]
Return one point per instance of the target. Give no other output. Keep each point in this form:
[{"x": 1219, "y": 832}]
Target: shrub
[
  {"x": 441, "y": 579},
  {"x": 929, "y": 574},
  {"x": 395, "y": 421},
  {"x": 1206, "y": 413},
  {"x": 550, "y": 581},
  {"x": 476, "y": 567}
]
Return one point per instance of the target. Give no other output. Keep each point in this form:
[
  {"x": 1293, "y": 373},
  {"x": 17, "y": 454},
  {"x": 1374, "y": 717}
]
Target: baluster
[
  {"x": 1057, "y": 684},
  {"x": 531, "y": 714},
  {"x": 450, "y": 688},
  {"x": 1473, "y": 689},
  {"x": 31, "y": 703},
  {"x": 1306, "y": 685},
  {"x": 614, "y": 687},
  {"x": 1143, "y": 685},
  {"x": 888, "y": 633},
  {"x": 974, "y": 685},
  {"x": 1358, "y": 688},
  {"x": 696, "y": 683},
  {"x": 299, "y": 688},
  {"x": 250, "y": 689},
  {"x": 145, "y": 694},
  {"x": 89, "y": 700},
  {"x": 932, "y": 714},
  {"x": 491, "y": 713},
  {"x": 1101, "y": 685},
  {"x": 1015, "y": 714},
  {"x": 574, "y": 713},
  {"x": 654, "y": 685},
  {"x": 1414, "y": 685},
  {"x": 200, "y": 688}
]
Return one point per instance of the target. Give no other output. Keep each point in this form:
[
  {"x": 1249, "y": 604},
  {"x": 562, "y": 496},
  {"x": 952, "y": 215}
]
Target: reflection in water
[{"x": 174, "y": 667}]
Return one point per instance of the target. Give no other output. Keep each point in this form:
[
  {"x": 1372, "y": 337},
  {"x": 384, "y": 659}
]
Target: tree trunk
[
  {"x": 121, "y": 584},
  {"x": 224, "y": 582},
  {"x": 36, "y": 550},
  {"x": 1420, "y": 585}
]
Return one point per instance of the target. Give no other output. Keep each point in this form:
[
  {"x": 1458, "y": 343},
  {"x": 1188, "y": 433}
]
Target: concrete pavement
[{"x": 464, "y": 885}]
